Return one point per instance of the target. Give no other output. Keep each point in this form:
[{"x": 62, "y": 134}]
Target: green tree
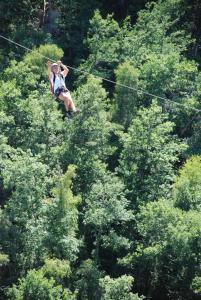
[
  {"x": 87, "y": 139},
  {"x": 166, "y": 258},
  {"x": 103, "y": 40},
  {"x": 40, "y": 127},
  {"x": 194, "y": 124},
  {"x": 37, "y": 124},
  {"x": 149, "y": 154},
  {"x": 173, "y": 77},
  {"x": 72, "y": 31},
  {"x": 35, "y": 286},
  {"x": 49, "y": 238},
  {"x": 56, "y": 268},
  {"x": 155, "y": 55},
  {"x": 62, "y": 218},
  {"x": 154, "y": 32},
  {"x": 3, "y": 259},
  {"x": 118, "y": 289},
  {"x": 187, "y": 187},
  {"x": 25, "y": 180},
  {"x": 107, "y": 208},
  {"x": 126, "y": 101},
  {"x": 36, "y": 57},
  {"x": 196, "y": 285},
  {"x": 87, "y": 280},
  {"x": 21, "y": 22}
]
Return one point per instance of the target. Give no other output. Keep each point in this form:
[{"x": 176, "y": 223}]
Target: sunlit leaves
[
  {"x": 187, "y": 187},
  {"x": 149, "y": 154}
]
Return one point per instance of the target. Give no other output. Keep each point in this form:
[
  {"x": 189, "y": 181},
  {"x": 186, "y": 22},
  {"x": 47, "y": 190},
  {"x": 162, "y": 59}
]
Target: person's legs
[{"x": 68, "y": 101}]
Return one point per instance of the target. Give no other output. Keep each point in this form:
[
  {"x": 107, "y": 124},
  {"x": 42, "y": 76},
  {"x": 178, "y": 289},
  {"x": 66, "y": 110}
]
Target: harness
[{"x": 59, "y": 89}]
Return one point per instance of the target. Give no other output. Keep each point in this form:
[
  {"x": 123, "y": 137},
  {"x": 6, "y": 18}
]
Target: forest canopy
[{"x": 106, "y": 205}]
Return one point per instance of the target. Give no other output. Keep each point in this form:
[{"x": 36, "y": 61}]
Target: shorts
[{"x": 58, "y": 91}]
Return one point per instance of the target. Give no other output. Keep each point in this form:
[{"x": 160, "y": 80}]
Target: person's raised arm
[
  {"x": 49, "y": 65},
  {"x": 65, "y": 69}
]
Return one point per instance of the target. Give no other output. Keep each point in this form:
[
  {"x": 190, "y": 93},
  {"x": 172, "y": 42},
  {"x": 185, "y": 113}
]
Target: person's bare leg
[
  {"x": 65, "y": 100},
  {"x": 71, "y": 103}
]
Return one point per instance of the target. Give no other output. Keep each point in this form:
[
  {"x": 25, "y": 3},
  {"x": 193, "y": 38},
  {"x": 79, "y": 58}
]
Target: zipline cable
[{"x": 105, "y": 79}]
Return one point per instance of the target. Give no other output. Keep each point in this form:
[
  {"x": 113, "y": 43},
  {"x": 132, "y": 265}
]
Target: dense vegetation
[{"x": 108, "y": 205}]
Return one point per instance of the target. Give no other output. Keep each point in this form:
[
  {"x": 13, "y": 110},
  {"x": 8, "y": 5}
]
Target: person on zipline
[{"x": 58, "y": 87}]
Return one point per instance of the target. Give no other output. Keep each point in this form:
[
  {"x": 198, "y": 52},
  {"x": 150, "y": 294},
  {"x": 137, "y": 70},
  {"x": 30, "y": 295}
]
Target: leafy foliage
[
  {"x": 126, "y": 101},
  {"x": 170, "y": 243},
  {"x": 107, "y": 208},
  {"x": 196, "y": 285},
  {"x": 87, "y": 141},
  {"x": 118, "y": 288},
  {"x": 56, "y": 268},
  {"x": 128, "y": 223},
  {"x": 62, "y": 219},
  {"x": 187, "y": 186},
  {"x": 149, "y": 154},
  {"x": 36, "y": 286},
  {"x": 87, "y": 282}
]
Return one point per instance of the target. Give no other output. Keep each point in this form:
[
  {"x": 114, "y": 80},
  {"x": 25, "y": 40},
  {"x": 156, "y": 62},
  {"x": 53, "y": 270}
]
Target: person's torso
[{"x": 58, "y": 81}]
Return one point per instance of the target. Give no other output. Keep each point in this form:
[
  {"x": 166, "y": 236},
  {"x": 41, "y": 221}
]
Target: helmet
[{"x": 54, "y": 65}]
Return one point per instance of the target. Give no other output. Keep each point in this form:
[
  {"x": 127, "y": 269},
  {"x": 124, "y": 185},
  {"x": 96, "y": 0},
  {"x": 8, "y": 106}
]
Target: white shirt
[{"x": 59, "y": 81}]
